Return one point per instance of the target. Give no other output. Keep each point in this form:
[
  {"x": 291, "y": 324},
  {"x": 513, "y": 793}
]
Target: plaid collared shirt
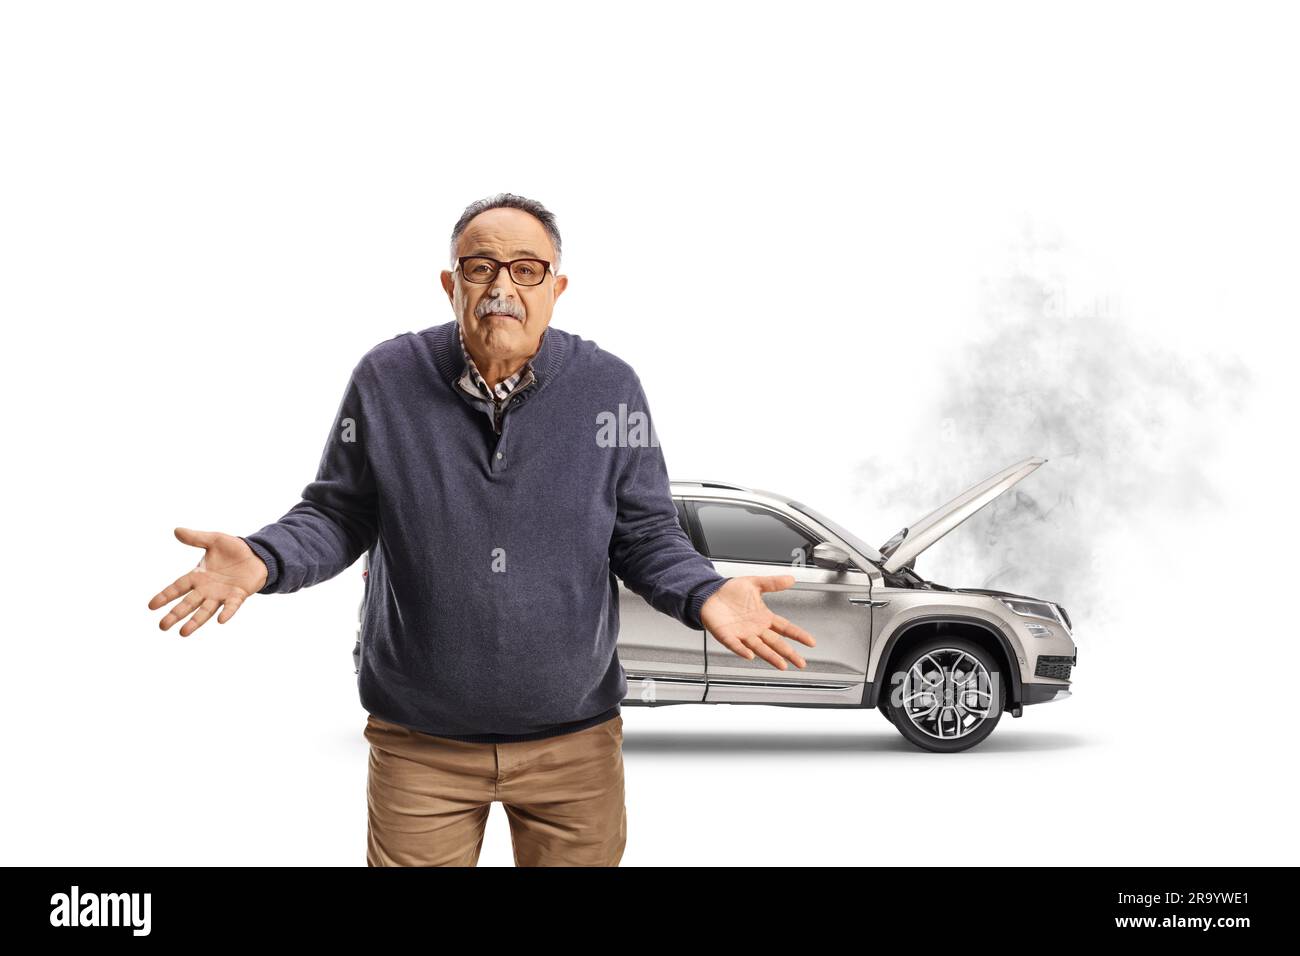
[{"x": 475, "y": 384}]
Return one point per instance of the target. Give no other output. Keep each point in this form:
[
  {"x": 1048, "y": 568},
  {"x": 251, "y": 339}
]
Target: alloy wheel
[{"x": 948, "y": 693}]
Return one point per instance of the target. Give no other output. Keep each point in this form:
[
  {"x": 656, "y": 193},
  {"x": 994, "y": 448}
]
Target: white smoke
[{"x": 1127, "y": 425}]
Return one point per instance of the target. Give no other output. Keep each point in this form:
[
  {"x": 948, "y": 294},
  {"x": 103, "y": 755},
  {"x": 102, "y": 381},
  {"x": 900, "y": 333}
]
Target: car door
[
  {"x": 744, "y": 538},
  {"x": 662, "y": 658}
]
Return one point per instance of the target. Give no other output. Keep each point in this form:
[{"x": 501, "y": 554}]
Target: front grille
[{"x": 1054, "y": 666}]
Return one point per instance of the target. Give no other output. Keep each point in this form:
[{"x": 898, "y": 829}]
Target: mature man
[{"x": 469, "y": 461}]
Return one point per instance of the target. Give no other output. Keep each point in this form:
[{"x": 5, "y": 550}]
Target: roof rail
[{"x": 709, "y": 484}]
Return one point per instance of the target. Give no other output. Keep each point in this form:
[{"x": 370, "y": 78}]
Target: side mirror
[{"x": 830, "y": 556}]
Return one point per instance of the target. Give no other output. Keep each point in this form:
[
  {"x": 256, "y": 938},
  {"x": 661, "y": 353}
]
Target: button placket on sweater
[
  {"x": 511, "y": 392},
  {"x": 498, "y": 460}
]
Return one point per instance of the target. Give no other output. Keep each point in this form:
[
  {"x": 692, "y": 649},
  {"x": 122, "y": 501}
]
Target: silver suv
[{"x": 940, "y": 663}]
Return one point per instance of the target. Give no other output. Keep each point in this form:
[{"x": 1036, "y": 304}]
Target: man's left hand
[{"x": 736, "y": 615}]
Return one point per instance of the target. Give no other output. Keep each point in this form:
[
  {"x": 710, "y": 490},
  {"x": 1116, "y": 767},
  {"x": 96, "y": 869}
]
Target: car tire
[{"x": 951, "y": 661}]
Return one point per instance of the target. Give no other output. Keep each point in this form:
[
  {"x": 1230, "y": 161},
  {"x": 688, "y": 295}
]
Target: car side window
[{"x": 738, "y": 532}]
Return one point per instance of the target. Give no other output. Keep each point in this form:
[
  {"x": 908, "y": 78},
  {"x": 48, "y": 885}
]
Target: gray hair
[{"x": 510, "y": 201}]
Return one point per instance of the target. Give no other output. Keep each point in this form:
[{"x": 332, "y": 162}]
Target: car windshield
[{"x": 866, "y": 550}]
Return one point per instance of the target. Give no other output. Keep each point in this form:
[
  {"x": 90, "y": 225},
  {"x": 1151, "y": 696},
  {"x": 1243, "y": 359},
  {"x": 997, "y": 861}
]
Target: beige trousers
[{"x": 429, "y": 797}]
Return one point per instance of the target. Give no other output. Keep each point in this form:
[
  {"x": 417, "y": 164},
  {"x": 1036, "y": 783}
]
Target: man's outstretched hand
[
  {"x": 227, "y": 573},
  {"x": 736, "y": 615}
]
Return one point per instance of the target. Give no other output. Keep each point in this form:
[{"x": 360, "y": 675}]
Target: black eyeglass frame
[{"x": 460, "y": 264}]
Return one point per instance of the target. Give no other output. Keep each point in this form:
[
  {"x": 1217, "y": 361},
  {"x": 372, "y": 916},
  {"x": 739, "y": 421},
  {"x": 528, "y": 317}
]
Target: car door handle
[{"x": 867, "y": 602}]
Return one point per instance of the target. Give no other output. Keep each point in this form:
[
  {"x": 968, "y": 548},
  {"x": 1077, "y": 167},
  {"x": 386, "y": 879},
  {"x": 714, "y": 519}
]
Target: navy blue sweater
[{"x": 491, "y": 604}]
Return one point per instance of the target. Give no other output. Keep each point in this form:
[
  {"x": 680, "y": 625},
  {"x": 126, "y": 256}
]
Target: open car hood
[{"x": 903, "y": 547}]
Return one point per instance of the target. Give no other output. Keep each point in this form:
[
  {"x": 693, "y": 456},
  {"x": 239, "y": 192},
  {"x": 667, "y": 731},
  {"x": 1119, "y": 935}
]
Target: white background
[{"x": 862, "y": 255}]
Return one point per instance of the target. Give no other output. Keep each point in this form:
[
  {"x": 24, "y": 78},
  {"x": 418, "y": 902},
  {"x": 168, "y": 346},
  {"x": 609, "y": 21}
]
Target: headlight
[{"x": 1039, "y": 609}]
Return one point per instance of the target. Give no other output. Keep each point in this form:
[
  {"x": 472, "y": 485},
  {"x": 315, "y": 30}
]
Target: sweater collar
[{"x": 450, "y": 358}]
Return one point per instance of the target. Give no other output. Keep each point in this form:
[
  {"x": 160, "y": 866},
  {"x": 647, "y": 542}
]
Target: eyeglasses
[{"x": 482, "y": 270}]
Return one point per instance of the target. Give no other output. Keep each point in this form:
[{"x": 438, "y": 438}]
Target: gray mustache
[{"x": 504, "y": 310}]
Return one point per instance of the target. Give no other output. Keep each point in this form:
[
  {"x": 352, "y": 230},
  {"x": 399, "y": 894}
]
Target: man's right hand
[{"x": 228, "y": 572}]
